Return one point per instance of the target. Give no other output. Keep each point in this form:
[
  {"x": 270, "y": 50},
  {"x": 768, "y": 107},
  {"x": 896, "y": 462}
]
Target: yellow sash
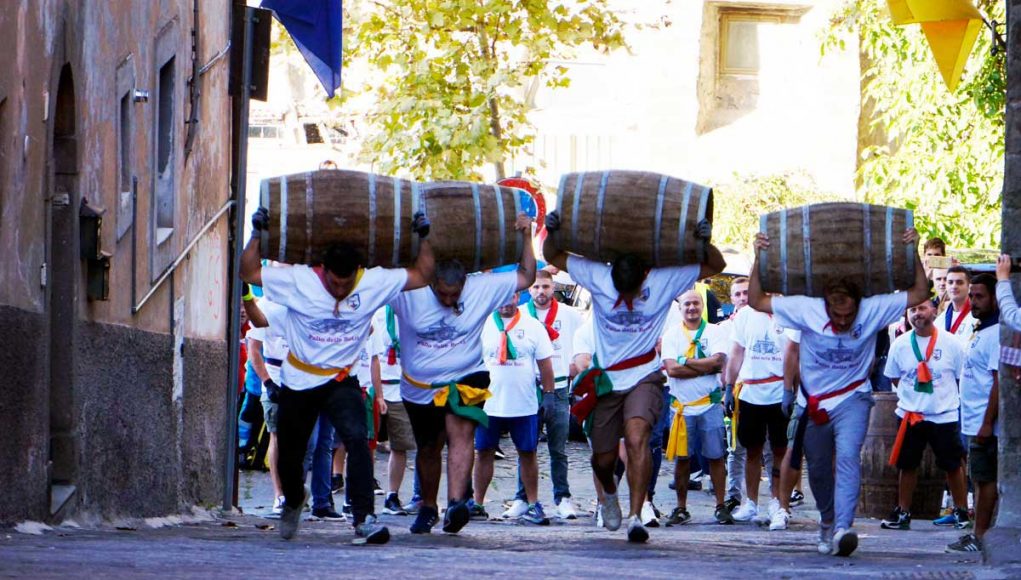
[
  {"x": 338, "y": 374},
  {"x": 469, "y": 394},
  {"x": 677, "y": 440}
]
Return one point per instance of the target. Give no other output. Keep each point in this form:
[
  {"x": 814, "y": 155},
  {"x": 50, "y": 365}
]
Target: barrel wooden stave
[
  {"x": 879, "y": 479},
  {"x": 374, "y": 213},
  {"x": 634, "y": 217},
  {"x": 846, "y": 240}
]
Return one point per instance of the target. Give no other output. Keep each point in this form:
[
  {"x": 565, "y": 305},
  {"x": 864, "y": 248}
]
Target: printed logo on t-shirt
[
  {"x": 628, "y": 318},
  {"x": 937, "y": 354},
  {"x": 354, "y": 301},
  {"x": 520, "y": 334},
  {"x": 441, "y": 332},
  {"x": 327, "y": 326},
  {"x": 840, "y": 354},
  {"x": 765, "y": 346},
  {"x": 856, "y": 332},
  {"x": 557, "y": 325}
]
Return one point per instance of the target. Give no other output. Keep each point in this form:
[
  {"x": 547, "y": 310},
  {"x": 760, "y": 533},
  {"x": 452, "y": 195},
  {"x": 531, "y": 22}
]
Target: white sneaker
[
  {"x": 278, "y": 506},
  {"x": 779, "y": 519},
  {"x": 516, "y": 510},
  {"x": 565, "y": 509},
  {"x": 825, "y": 544},
  {"x": 746, "y": 512},
  {"x": 649, "y": 515},
  {"x": 845, "y": 542},
  {"x": 611, "y": 512},
  {"x": 599, "y": 516},
  {"x": 774, "y": 506}
]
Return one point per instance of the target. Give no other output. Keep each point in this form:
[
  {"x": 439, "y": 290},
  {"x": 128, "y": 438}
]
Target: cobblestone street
[{"x": 247, "y": 546}]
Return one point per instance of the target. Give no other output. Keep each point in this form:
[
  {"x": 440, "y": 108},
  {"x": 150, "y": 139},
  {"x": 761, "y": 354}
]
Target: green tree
[
  {"x": 452, "y": 76},
  {"x": 924, "y": 148}
]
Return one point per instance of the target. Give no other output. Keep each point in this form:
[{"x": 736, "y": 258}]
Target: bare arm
[
  {"x": 694, "y": 367},
  {"x": 758, "y": 299},
  {"x": 251, "y": 262},
  {"x": 421, "y": 273},
  {"x": 550, "y": 251},
  {"x": 919, "y": 291},
  {"x": 582, "y": 361},
  {"x": 526, "y": 267},
  {"x": 734, "y": 364},
  {"x": 255, "y": 357},
  {"x": 255, "y": 314},
  {"x": 546, "y": 374},
  {"x": 992, "y": 410},
  {"x": 714, "y": 263},
  {"x": 377, "y": 382}
]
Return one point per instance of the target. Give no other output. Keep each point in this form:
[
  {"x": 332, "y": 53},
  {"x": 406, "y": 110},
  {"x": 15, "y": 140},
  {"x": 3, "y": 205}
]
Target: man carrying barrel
[
  {"x": 838, "y": 335},
  {"x": 622, "y": 393},
  {"x": 329, "y": 316},
  {"x": 924, "y": 364},
  {"x": 445, "y": 382}
]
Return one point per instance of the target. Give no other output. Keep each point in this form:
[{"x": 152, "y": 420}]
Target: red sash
[
  {"x": 585, "y": 387},
  {"x": 820, "y": 416}
]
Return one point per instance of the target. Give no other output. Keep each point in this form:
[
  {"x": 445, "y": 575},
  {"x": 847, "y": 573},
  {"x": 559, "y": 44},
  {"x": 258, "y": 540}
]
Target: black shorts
[
  {"x": 429, "y": 422},
  {"x": 982, "y": 460},
  {"x": 944, "y": 438},
  {"x": 755, "y": 421}
]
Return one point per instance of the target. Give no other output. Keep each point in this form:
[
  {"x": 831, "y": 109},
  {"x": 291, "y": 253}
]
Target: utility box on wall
[{"x": 90, "y": 229}]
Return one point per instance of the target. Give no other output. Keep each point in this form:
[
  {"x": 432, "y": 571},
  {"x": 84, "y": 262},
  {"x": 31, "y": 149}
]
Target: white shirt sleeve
[
  {"x": 893, "y": 370},
  {"x": 792, "y": 311},
  {"x": 1009, "y": 313},
  {"x": 543, "y": 345},
  {"x": 670, "y": 347},
  {"x": 280, "y": 285},
  {"x": 883, "y": 310},
  {"x": 584, "y": 271},
  {"x": 993, "y": 354}
]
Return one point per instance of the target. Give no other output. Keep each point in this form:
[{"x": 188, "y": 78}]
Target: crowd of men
[{"x": 433, "y": 356}]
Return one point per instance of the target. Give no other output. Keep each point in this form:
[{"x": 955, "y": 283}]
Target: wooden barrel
[
  {"x": 608, "y": 213},
  {"x": 814, "y": 244},
  {"x": 309, "y": 211},
  {"x": 879, "y": 479}
]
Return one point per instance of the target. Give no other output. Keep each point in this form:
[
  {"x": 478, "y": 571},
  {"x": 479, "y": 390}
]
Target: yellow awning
[{"x": 951, "y": 27}]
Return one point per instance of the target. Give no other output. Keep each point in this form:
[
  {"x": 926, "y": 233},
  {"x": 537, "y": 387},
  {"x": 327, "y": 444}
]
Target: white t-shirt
[
  {"x": 621, "y": 333},
  {"x": 372, "y": 347},
  {"x": 513, "y": 382},
  {"x": 567, "y": 322},
  {"x": 982, "y": 359},
  {"x": 388, "y": 372},
  {"x": 830, "y": 362},
  {"x": 764, "y": 342},
  {"x": 675, "y": 344},
  {"x": 439, "y": 344},
  {"x": 945, "y": 365},
  {"x": 274, "y": 344},
  {"x": 315, "y": 333},
  {"x": 964, "y": 330}
]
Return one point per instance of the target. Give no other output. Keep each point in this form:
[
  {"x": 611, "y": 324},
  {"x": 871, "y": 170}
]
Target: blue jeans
[
  {"x": 555, "y": 413},
  {"x": 836, "y": 490},
  {"x": 656, "y": 443},
  {"x": 319, "y": 460}
]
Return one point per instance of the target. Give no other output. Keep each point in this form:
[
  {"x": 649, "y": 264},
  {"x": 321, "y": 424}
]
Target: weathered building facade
[{"x": 115, "y": 361}]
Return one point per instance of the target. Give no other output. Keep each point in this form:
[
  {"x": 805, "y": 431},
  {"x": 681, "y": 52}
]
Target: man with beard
[
  {"x": 445, "y": 381},
  {"x": 924, "y": 364}
]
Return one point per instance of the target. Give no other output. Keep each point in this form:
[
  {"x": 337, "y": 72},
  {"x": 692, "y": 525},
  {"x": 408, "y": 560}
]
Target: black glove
[
  {"x": 552, "y": 221},
  {"x": 728, "y": 400},
  {"x": 420, "y": 224},
  {"x": 272, "y": 390},
  {"x": 704, "y": 230},
  {"x": 260, "y": 220},
  {"x": 787, "y": 406}
]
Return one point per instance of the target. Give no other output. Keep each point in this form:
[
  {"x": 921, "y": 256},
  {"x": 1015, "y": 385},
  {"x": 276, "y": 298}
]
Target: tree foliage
[
  {"x": 936, "y": 152},
  {"x": 452, "y": 76}
]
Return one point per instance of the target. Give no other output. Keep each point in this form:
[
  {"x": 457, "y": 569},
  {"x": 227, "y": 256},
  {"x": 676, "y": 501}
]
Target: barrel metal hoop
[
  {"x": 682, "y": 223},
  {"x": 763, "y": 253},
  {"x": 518, "y": 239},
  {"x": 889, "y": 248},
  {"x": 784, "y": 281},
  {"x": 659, "y": 219},
  {"x": 806, "y": 232},
  {"x": 575, "y": 206},
  {"x": 703, "y": 206},
  {"x": 560, "y": 194},
  {"x": 866, "y": 211},
  {"x": 282, "y": 246},
  {"x": 397, "y": 223},
  {"x": 600, "y": 199},
  {"x": 909, "y": 250},
  {"x": 263, "y": 202},
  {"x": 478, "y": 227},
  {"x": 417, "y": 205},
  {"x": 500, "y": 218},
  {"x": 372, "y": 219},
  {"x": 309, "y": 210}
]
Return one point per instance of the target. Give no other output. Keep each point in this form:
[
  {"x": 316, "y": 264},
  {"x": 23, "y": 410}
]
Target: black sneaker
[
  {"x": 678, "y": 517},
  {"x": 328, "y": 514},
  {"x": 723, "y": 516},
  {"x": 477, "y": 512},
  {"x": 967, "y": 543},
  {"x": 961, "y": 519},
  {"x": 636, "y": 532},
  {"x": 694, "y": 485},
  {"x": 897, "y": 520},
  {"x": 425, "y": 520},
  {"x": 337, "y": 483},
  {"x": 346, "y": 508},
  {"x": 535, "y": 515},
  {"x": 732, "y": 504},
  {"x": 797, "y": 498},
  {"x": 456, "y": 517},
  {"x": 375, "y": 487},
  {"x": 672, "y": 485},
  {"x": 392, "y": 506},
  {"x": 373, "y": 531}
]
